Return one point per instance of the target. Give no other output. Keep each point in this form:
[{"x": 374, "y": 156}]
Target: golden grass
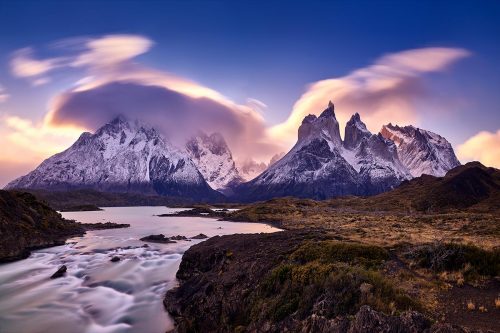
[{"x": 379, "y": 228}]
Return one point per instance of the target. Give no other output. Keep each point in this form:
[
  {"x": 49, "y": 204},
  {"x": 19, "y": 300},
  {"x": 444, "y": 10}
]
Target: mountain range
[
  {"x": 322, "y": 165},
  {"x": 132, "y": 157}
]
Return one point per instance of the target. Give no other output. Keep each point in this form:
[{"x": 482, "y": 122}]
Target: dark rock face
[
  {"x": 60, "y": 272},
  {"x": 214, "y": 160},
  {"x": 355, "y": 131},
  {"x": 26, "y": 224},
  {"x": 321, "y": 166},
  {"x": 157, "y": 239},
  {"x": 197, "y": 211},
  {"x": 178, "y": 237},
  {"x": 421, "y": 151},
  {"x": 115, "y": 259},
  {"x": 162, "y": 176},
  {"x": 379, "y": 167},
  {"x": 104, "y": 226},
  {"x": 325, "y": 124},
  {"x": 199, "y": 236},
  {"x": 205, "y": 296}
]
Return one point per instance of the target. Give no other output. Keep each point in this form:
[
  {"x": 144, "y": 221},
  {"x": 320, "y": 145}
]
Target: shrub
[
  {"x": 472, "y": 260},
  {"x": 330, "y": 251},
  {"x": 328, "y": 278}
]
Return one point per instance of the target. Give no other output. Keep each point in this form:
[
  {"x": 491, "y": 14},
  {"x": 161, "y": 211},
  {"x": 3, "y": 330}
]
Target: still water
[{"x": 97, "y": 295}]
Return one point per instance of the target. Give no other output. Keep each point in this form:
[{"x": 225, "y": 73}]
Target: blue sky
[{"x": 271, "y": 50}]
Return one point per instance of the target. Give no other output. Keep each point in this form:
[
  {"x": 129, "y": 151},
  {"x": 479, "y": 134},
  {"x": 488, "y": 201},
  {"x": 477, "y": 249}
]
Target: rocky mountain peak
[
  {"x": 309, "y": 119},
  {"x": 122, "y": 156},
  {"x": 355, "y": 131},
  {"x": 421, "y": 151},
  {"x": 214, "y": 160},
  {"x": 325, "y": 126},
  {"x": 329, "y": 111}
]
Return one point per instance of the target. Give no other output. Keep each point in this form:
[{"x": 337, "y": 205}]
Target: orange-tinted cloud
[
  {"x": 24, "y": 65},
  {"x": 382, "y": 92},
  {"x": 26, "y": 144},
  {"x": 482, "y": 147}
]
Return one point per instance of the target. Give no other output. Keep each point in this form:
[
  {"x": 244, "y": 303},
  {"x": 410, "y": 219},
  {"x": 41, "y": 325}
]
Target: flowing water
[{"x": 97, "y": 295}]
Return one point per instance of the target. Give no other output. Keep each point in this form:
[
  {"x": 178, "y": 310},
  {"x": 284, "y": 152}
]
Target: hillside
[
  {"x": 27, "y": 223},
  {"x": 63, "y": 200},
  {"x": 309, "y": 281},
  {"x": 472, "y": 186},
  {"x": 463, "y": 205}
]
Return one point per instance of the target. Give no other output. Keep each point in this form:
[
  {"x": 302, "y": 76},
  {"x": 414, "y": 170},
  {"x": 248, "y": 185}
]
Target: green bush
[{"x": 331, "y": 251}]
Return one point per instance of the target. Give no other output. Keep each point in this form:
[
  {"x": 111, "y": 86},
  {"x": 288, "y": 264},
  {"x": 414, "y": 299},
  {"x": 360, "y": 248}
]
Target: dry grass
[
  {"x": 399, "y": 232},
  {"x": 381, "y": 228}
]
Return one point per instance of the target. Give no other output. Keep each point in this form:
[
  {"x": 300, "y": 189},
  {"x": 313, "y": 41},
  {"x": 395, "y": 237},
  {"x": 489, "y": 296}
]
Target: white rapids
[{"x": 97, "y": 295}]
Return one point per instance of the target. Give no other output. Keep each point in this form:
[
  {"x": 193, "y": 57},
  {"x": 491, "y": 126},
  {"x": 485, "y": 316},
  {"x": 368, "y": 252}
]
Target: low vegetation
[
  {"x": 330, "y": 279},
  {"x": 389, "y": 228},
  {"x": 471, "y": 261}
]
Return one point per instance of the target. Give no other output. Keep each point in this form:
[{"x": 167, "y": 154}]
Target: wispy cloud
[
  {"x": 4, "y": 96},
  {"x": 110, "y": 50},
  {"x": 482, "y": 147},
  {"x": 384, "y": 91},
  {"x": 115, "y": 84},
  {"x": 90, "y": 53},
  {"x": 24, "y": 65}
]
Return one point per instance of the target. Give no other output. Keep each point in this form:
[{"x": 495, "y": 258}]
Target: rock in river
[{"x": 60, "y": 272}]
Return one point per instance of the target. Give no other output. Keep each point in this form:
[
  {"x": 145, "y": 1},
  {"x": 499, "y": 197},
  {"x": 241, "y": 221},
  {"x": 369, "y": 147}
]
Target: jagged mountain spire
[
  {"x": 329, "y": 111},
  {"x": 320, "y": 165},
  {"x": 355, "y": 131},
  {"x": 213, "y": 158},
  {"x": 326, "y": 125}
]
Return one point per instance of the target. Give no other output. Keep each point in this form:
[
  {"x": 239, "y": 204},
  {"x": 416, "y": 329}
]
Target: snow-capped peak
[
  {"x": 325, "y": 126},
  {"x": 122, "y": 156},
  {"x": 214, "y": 160},
  {"x": 421, "y": 151}
]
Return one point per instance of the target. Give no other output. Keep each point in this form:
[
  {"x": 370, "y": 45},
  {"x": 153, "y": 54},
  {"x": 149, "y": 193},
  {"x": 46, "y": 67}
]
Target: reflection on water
[{"x": 97, "y": 295}]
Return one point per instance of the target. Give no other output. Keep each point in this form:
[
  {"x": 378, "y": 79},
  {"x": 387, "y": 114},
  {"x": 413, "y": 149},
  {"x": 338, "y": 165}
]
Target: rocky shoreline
[{"x": 28, "y": 224}]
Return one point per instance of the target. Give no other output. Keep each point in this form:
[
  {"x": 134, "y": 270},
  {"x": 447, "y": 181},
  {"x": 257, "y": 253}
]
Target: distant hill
[
  {"x": 62, "y": 200},
  {"x": 472, "y": 185}
]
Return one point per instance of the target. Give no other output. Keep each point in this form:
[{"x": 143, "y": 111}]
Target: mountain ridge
[
  {"x": 132, "y": 157},
  {"x": 322, "y": 165},
  {"x": 122, "y": 156}
]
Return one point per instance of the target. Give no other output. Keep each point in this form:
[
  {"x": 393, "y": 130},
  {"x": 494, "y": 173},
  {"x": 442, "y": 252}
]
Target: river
[{"x": 97, "y": 295}]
